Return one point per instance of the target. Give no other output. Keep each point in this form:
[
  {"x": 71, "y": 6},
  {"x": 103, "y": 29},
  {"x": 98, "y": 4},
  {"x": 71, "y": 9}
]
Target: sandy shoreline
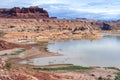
[
  {"x": 93, "y": 74},
  {"x": 32, "y": 53}
]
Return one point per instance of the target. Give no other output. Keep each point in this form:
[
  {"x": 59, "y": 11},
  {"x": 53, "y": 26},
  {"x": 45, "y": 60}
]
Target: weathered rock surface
[
  {"x": 38, "y": 25},
  {"x": 7, "y": 45},
  {"x": 36, "y": 29},
  {"x": 25, "y": 13}
]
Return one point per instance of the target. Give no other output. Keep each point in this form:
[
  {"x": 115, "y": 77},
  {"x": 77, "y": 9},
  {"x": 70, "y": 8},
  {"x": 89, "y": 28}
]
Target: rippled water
[{"x": 103, "y": 52}]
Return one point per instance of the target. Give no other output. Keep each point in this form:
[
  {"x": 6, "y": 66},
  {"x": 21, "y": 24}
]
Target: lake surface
[{"x": 104, "y": 52}]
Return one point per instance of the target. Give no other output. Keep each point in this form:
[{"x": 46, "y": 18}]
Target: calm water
[{"x": 103, "y": 52}]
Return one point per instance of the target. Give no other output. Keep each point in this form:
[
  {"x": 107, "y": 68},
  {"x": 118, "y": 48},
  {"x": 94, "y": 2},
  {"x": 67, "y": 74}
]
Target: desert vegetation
[{"x": 63, "y": 68}]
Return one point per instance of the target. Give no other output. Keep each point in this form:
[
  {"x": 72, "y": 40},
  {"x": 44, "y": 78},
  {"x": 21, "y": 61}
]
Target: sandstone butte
[{"x": 26, "y": 13}]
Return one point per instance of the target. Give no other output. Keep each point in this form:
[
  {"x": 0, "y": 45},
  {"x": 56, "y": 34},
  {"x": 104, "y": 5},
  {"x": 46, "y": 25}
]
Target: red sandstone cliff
[{"x": 31, "y": 12}]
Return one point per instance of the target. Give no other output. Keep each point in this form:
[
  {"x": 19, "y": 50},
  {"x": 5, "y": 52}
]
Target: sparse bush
[
  {"x": 101, "y": 78},
  {"x": 18, "y": 52},
  {"x": 117, "y": 77},
  {"x": 64, "y": 68},
  {"x": 4, "y": 54},
  {"x": 8, "y": 65}
]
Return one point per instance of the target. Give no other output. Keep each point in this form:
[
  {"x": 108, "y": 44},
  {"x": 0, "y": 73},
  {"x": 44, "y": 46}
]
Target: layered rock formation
[
  {"x": 38, "y": 25},
  {"x": 24, "y": 29},
  {"x": 31, "y": 12}
]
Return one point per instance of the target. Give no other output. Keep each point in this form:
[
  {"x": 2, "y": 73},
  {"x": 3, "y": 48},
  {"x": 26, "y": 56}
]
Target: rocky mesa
[{"x": 30, "y": 12}]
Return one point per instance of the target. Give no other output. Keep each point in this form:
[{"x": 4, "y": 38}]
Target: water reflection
[{"x": 103, "y": 52}]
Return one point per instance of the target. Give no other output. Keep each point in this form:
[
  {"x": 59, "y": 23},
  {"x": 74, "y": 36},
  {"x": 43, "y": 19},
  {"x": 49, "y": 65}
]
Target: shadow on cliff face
[{"x": 106, "y": 27}]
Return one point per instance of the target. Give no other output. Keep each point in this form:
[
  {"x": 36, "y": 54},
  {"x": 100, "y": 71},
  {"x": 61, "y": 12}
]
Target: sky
[{"x": 91, "y": 9}]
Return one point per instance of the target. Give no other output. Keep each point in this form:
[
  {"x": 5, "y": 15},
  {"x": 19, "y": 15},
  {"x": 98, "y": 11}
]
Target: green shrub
[
  {"x": 117, "y": 77},
  {"x": 4, "y": 54},
  {"x": 63, "y": 68},
  {"x": 18, "y": 52},
  {"x": 8, "y": 65}
]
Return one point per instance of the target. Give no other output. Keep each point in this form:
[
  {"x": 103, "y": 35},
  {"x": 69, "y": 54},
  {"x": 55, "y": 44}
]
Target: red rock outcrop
[
  {"x": 30, "y": 12},
  {"x": 7, "y": 45}
]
